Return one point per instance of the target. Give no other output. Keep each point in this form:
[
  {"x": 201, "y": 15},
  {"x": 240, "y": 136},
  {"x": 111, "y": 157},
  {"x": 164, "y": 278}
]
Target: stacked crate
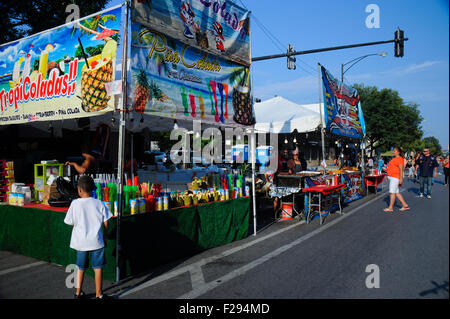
[{"x": 6, "y": 179}]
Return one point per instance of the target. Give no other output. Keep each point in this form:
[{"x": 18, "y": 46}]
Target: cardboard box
[{"x": 50, "y": 191}]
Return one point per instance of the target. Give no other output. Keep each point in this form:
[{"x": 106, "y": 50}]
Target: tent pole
[
  {"x": 132, "y": 157},
  {"x": 322, "y": 129},
  {"x": 253, "y": 150},
  {"x": 120, "y": 154},
  {"x": 253, "y": 137}
]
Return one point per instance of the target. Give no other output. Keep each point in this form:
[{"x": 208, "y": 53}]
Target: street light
[{"x": 383, "y": 54}]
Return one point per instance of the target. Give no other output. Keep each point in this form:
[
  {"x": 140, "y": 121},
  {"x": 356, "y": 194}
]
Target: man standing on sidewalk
[{"x": 427, "y": 164}]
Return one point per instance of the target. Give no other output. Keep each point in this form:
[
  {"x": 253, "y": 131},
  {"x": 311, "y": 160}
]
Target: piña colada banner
[
  {"x": 174, "y": 80},
  {"x": 61, "y": 73}
]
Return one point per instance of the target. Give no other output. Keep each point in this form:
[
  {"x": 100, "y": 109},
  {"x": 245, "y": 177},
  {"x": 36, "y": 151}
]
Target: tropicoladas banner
[
  {"x": 219, "y": 27},
  {"x": 174, "y": 80},
  {"x": 343, "y": 116},
  {"x": 60, "y": 73}
]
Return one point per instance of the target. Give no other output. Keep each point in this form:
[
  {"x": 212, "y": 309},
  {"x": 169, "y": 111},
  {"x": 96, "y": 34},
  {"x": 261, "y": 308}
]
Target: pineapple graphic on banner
[{"x": 61, "y": 73}]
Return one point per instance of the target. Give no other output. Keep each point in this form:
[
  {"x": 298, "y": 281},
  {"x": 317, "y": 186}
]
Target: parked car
[{"x": 154, "y": 157}]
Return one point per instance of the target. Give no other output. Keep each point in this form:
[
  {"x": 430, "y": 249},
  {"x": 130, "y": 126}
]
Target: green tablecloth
[{"x": 148, "y": 240}]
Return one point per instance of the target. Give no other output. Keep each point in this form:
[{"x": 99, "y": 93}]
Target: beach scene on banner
[
  {"x": 61, "y": 73},
  {"x": 172, "y": 79}
]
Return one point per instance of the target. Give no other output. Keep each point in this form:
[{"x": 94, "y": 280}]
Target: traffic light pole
[{"x": 275, "y": 56}]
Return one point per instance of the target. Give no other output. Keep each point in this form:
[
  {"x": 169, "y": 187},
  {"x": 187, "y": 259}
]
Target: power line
[{"x": 274, "y": 39}]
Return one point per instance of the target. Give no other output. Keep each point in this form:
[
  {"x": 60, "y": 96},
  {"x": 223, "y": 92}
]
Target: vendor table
[
  {"x": 284, "y": 191},
  {"x": 374, "y": 181},
  {"x": 148, "y": 239},
  {"x": 319, "y": 191}
]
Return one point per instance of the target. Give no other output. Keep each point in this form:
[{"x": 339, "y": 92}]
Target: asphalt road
[{"x": 289, "y": 259}]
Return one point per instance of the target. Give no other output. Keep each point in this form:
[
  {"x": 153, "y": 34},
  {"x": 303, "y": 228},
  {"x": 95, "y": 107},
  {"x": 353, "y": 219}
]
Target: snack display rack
[{"x": 6, "y": 179}]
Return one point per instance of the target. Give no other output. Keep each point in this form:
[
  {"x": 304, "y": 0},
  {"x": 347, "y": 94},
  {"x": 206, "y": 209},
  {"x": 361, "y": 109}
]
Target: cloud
[
  {"x": 395, "y": 72},
  {"x": 2, "y": 65},
  {"x": 417, "y": 67}
]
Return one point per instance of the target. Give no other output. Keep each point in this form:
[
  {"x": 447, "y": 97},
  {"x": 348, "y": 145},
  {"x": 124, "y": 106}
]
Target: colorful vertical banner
[
  {"x": 343, "y": 115},
  {"x": 60, "y": 73},
  {"x": 361, "y": 119},
  {"x": 174, "y": 80},
  {"x": 218, "y": 27},
  {"x": 354, "y": 187}
]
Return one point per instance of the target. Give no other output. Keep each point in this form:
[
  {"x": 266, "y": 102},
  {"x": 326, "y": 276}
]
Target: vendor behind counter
[
  {"x": 89, "y": 163},
  {"x": 297, "y": 163},
  {"x": 294, "y": 166}
]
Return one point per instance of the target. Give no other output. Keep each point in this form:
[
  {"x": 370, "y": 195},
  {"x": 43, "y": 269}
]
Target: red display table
[
  {"x": 374, "y": 181},
  {"x": 319, "y": 191},
  {"x": 47, "y": 207}
]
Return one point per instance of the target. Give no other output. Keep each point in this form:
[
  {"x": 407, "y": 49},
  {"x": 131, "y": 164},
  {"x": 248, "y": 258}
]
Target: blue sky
[{"x": 421, "y": 76}]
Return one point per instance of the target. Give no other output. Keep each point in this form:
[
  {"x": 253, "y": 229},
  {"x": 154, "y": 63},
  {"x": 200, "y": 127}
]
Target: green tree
[
  {"x": 417, "y": 146},
  {"x": 389, "y": 121},
  {"x": 433, "y": 144},
  {"x": 23, "y": 18}
]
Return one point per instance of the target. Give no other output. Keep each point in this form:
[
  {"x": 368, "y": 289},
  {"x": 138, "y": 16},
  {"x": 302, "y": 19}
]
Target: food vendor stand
[
  {"x": 321, "y": 192},
  {"x": 282, "y": 191},
  {"x": 144, "y": 239},
  {"x": 374, "y": 180},
  {"x": 148, "y": 239}
]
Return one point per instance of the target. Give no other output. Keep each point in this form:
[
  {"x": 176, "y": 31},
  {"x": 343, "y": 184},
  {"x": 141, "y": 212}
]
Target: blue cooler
[
  {"x": 263, "y": 154},
  {"x": 237, "y": 149}
]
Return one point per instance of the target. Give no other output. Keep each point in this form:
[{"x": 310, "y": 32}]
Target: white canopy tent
[{"x": 279, "y": 115}]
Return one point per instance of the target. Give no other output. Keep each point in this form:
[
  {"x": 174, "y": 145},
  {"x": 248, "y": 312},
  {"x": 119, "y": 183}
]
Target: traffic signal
[
  {"x": 291, "y": 59},
  {"x": 399, "y": 43}
]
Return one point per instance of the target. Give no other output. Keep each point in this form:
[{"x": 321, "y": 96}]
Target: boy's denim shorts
[{"x": 98, "y": 259}]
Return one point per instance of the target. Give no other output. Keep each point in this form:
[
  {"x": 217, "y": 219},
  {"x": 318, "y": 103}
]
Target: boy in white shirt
[{"x": 86, "y": 215}]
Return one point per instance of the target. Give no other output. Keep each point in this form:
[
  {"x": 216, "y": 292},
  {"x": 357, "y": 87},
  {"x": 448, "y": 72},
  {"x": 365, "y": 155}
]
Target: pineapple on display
[
  {"x": 93, "y": 92},
  {"x": 142, "y": 92}
]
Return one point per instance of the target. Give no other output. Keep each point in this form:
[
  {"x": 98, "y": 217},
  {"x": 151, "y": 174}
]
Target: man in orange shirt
[{"x": 395, "y": 174}]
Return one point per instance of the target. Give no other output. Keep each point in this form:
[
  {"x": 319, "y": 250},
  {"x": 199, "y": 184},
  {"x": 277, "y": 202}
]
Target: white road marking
[
  {"x": 204, "y": 261},
  {"x": 19, "y": 268},
  {"x": 238, "y": 272},
  {"x": 197, "y": 279},
  {"x": 193, "y": 268}
]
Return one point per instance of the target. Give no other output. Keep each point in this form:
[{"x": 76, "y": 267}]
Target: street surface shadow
[
  {"x": 414, "y": 190},
  {"x": 387, "y": 201},
  {"x": 436, "y": 290}
]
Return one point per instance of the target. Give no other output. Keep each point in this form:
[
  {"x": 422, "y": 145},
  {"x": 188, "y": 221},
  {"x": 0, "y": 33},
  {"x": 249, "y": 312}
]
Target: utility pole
[{"x": 399, "y": 48}]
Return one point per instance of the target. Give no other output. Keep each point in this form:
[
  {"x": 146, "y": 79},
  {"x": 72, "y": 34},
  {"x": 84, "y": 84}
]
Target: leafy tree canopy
[
  {"x": 22, "y": 18},
  {"x": 389, "y": 120}
]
